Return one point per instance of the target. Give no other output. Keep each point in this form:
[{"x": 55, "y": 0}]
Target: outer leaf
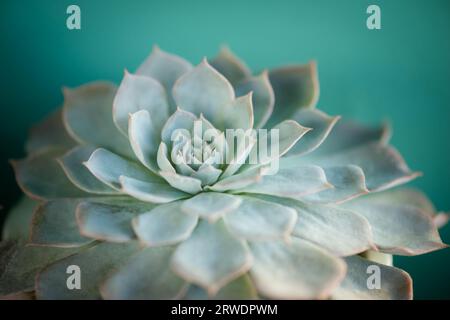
[
  {"x": 21, "y": 295},
  {"x": 54, "y": 224},
  {"x": 18, "y": 220},
  {"x": 346, "y": 135},
  {"x": 395, "y": 284},
  {"x": 321, "y": 125},
  {"x": 145, "y": 276},
  {"x": 240, "y": 289},
  {"x": 109, "y": 220},
  {"x": 109, "y": 167},
  {"x": 79, "y": 175},
  {"x": 165, "y": 224},
  {"x": 95, "y": 264},
  {"x": 348, "y": 183},
  {"x": 19, "y": 265},
  {"x": 41, "y": 177},
  {"x": 340, "y": 231},
  {"x": 49, "y": 133},
  {"x": 291, "y": 182},
  {"x": 382, "y": 165},
  {"x": 209, "y": 269},
  {"x": 398, "y": 229},
  {"x": 88, "y": 106},
  {"x": 409, "y": 197},
  {"x": 299, "y": 270},
  {"x": 379, "y": 257},
  {"x": 263, "y": 98},
  {"x": 257, "y": 219},
  {"x": 211, "y": 205},
  {"x": 295, "y": 87},
  {"x": 290, "y": 132},
  {"x": 228, "y": 64}
]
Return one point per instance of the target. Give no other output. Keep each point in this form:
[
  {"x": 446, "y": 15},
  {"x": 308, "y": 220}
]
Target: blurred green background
[{"x": 400, "y": 73}]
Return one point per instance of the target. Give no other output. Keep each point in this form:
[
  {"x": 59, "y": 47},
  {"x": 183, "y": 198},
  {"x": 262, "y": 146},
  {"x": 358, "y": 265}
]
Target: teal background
[{"x": 400, "y": 73}]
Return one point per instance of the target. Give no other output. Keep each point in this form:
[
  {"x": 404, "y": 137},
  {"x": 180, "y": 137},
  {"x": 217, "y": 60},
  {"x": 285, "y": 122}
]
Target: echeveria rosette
[{"x": 110, "y": 199}]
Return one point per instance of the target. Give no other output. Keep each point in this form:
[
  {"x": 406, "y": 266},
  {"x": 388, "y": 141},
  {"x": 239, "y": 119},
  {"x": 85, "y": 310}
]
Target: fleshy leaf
[
  {"x": 291, "y": 182},
  {"x": 109, "y": 167},
  {"x": 211, "y": 205},
  {"x": 88, "y": 106},
  {"x": 321, "y": 124},
  {"x": 298, "y": 270},
  {"x": 209, "y": 269},
  {"x": 410, "y": 197},
  {"x": 230, "y": 66},
  {"x": 240, "y": 115},
  {"x": 340, "y": 231},
  {"x": 207, "y": 174},
  {"x": 290, "y": 132},
  {"x": 18, "y": 220},
  {"x": 346, "y": 135},
  {"x": 162, "y": 159},
  {"x": 203, "y": 90},
  {"x": 263, "y": 98},
  {"x": 41, "y": 177},
  {"x": 382, "y": 165},
  {"x": 348, "y": 183},
  {"x": 441, "y": 219},
  {"x": 95, "y": 263},
  {"x": 246, "y": 140},
  {"x": 21, "y": 295},
  {"x": 181, "y": 166},
  {"x": 238, "y": 181},
  {"x": 144, "y": 138},
  {"x": 165, "y": 224},
  {"x": 295, "y": 87},
  {"x": 20, "y": 263},
  {"x": 379, "y": 257},
  {"x": 49, "y": 133},
  {"x": 239, "y": 289},
  {"x": 137, "y": 93},
  {"x": 145, "y": 276},
  {"x": 179, "y": 120},
  {"x": 186, "y": 184},
  {"x": 166, "y": 68},
  {"x": 109, "y": 221},
  {"x": 395, "y": 284},
  {"x": 398, "y": 228},
  {"x": 154, "y": 192},
  {"x": 54, "y": 224},
  {"x": 79, "y": 175},
  {"x": 257, "y": 219}
]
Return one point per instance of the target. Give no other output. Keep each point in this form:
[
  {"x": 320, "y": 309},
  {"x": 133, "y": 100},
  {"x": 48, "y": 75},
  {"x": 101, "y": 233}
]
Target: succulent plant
[{"x": 120, "y": 191}]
